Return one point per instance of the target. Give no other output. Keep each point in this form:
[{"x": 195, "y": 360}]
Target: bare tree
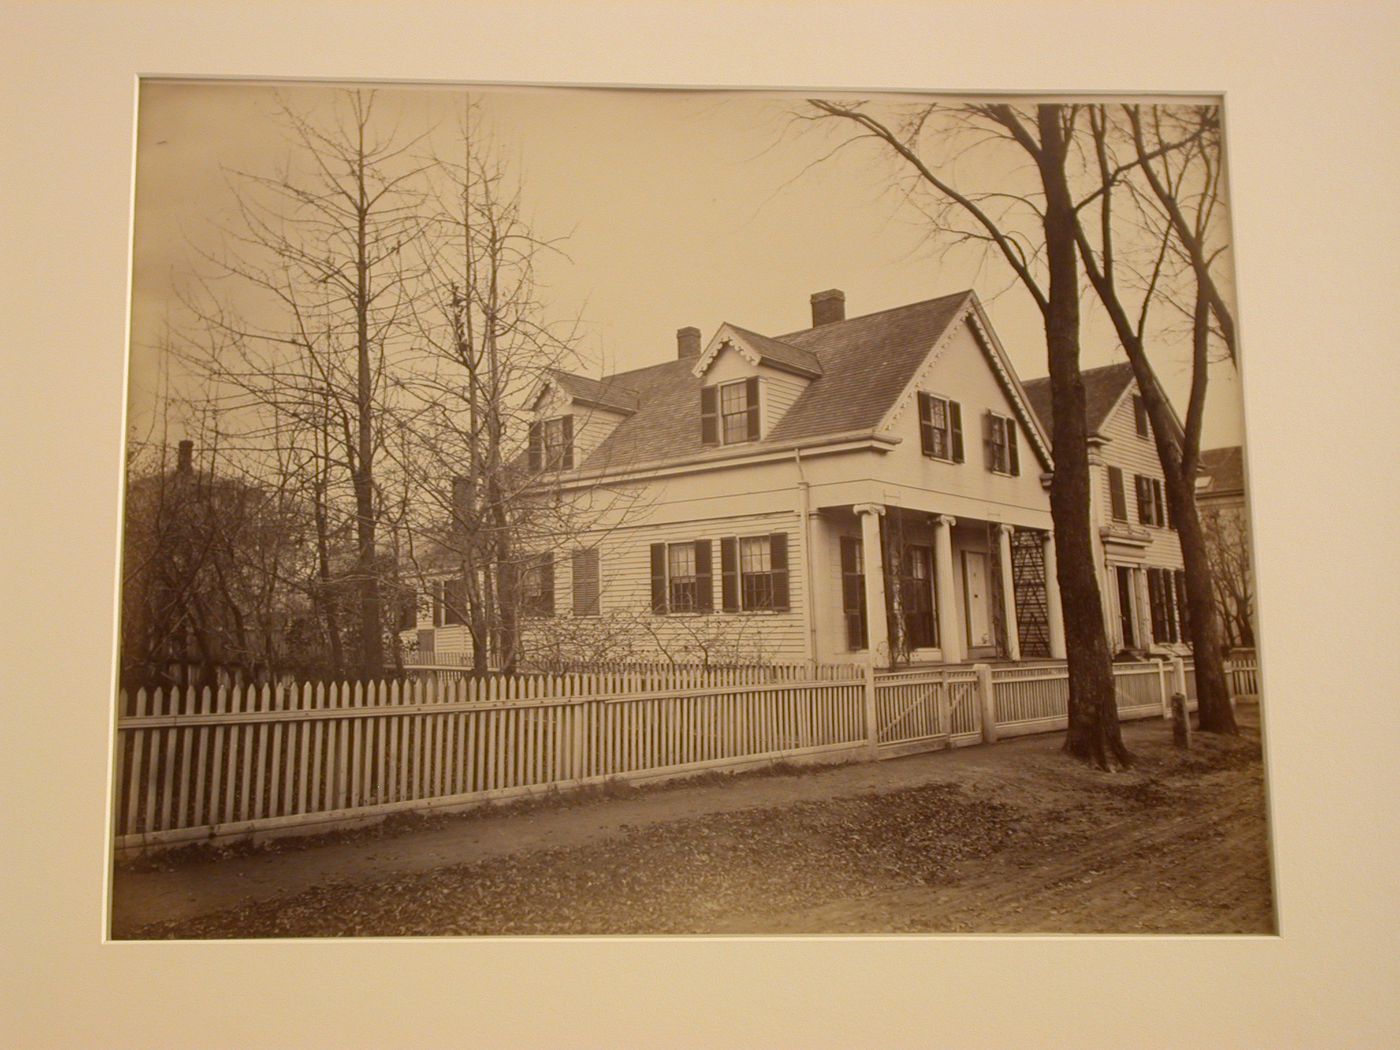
[
  {"x": 1177, "y": 154},
  {"x": 1227, "y": 541},
  {"x": 1032, "y": 229},
  {"x": 301, "y": 312}
]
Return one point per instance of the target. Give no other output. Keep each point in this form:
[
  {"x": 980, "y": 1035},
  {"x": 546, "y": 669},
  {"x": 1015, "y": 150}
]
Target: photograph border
[{"x": 73, "y": 97}]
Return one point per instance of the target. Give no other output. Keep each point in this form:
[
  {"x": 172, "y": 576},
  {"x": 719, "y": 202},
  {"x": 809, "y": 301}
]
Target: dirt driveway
[{"x": 1002, "y": 839}]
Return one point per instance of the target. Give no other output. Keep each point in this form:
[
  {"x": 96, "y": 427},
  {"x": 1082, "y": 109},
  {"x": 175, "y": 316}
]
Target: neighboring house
[
  {"x": 1136, "y": 548},
  {"x": 1221, "y": 502},
  {"x": 873, "y": 487}
]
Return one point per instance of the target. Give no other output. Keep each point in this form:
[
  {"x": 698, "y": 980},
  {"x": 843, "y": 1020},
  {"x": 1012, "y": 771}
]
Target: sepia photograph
[{"x": 603, "y": 511}]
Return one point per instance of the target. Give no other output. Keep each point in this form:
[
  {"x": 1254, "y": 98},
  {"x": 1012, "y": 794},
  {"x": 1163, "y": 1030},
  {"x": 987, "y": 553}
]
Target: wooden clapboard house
[{"x": 867, "y": 487}]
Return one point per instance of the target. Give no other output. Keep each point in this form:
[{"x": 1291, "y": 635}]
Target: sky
[{"x": 675, "y": 209}]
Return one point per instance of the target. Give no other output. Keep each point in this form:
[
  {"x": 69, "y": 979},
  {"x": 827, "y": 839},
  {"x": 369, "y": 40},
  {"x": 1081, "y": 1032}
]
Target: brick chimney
[
  {"x": 185, "y": 463},
  {"x": 688, "y": 342},
  {"x": 828, "y": 306}
]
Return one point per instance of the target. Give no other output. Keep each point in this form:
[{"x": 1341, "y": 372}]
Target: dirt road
[{"x": 1009, "y": 838}]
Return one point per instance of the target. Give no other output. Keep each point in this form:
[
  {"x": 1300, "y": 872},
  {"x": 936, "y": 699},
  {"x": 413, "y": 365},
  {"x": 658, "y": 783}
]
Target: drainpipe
[{"x": 809, "y": 596}]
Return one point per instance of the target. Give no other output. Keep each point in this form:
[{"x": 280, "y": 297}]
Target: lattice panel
[{"x": 1028, "y": 578}]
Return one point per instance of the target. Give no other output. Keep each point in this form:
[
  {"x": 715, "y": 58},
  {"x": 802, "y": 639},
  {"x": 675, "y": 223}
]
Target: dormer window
[
  {"x": 552, "y": 444},
  {"x": 729, "y": 412}
]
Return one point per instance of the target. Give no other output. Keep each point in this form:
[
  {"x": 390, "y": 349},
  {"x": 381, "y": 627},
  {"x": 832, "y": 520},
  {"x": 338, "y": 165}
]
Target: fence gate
[{"x": 1032, "y": 604}]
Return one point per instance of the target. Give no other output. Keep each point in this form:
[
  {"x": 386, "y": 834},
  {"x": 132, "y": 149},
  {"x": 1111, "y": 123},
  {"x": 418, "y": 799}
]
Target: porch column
[
  {"x": 1055, "y": 616},
  {"x": 877, "y": 627},
  {"x": 1008, "y": 593},
  {"x": 949, "y": 630}
]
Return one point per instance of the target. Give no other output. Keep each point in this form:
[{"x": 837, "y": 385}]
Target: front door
[{"x": 977, "y": 601}]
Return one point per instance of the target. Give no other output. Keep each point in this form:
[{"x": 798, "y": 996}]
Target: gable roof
[
  {"x": 1223, "y": 470},
  {"x": 1102, "y": 389},
  {"x": 767, "y": 350},
  {"x": 604, "y": 393},
  {"x": 864, "y": 362}
]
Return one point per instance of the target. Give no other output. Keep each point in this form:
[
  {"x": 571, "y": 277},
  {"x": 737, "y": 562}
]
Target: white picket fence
[{"x": 228, "y": 763}]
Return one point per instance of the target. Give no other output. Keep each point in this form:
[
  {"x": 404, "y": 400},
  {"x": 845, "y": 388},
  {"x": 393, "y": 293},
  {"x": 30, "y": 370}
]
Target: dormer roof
[
  {"x": 759, "y": 350},
  {"x": 606, "y": 393}
]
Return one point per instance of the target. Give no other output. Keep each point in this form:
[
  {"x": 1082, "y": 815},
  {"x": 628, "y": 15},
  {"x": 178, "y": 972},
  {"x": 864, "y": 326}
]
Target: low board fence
[
  {"x": 1243, "y": 671},
  {"x": 196, "y": 765}
]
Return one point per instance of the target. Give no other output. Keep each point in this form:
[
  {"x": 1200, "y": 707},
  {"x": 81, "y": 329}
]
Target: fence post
[
  {"x": 872, "y": 723},
  {"x": 987, "y": 701},
  {"x": 945, "y": 705},
  {"x": 1162, "y": 689},
  {"x": 1179, "y": 675}
]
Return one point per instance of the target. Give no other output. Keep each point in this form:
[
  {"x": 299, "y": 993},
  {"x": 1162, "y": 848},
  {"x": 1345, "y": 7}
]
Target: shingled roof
[
  {"x": 1224, "y": 467},
  {"x": 1102, "y": 389},
  {"x": 605, "y": 393},
  {"x": 864, "y": 364},
  {"x": 779, "y": 354}
]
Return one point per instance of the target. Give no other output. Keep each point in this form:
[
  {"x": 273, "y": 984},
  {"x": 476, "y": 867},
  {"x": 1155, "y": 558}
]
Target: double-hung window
[
  {"x": 681, "y": 580},
  {"x": 1140, "y": 422},
  {"x": 940, "y": 428},
  {"x": 1003, "y": 457},
  {"x": 552, "y": 444},
  {"x": 1152, "y": 506},
  {"x": 853, "y": 592},
  {"x": 729, "y": 412},
  {"x": 537, "y": 586},
  {"x": 754, "y": 573}
]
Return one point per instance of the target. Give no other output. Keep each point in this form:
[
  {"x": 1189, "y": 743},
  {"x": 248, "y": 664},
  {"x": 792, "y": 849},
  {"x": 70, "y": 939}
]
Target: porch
[{"x": 951, "y": 591}]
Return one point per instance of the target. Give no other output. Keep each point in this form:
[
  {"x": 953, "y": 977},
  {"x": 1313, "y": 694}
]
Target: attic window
[
  {"x": 1140, "y": 416},
  {"x": 552, "y": 444},
  {"x": 729, "y": 412},
  {"x": 1002, "y": 454}
]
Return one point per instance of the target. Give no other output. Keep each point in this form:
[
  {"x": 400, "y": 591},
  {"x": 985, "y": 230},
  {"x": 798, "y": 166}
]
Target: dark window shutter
[
  {"x": 546, "y": 606},
  {"x": 751, "y": 399},
  {"x": 1140, "y": 415},
  {"x": 568, "y": 442},
  {"x": 955, "y": 421},
  {"x": 1183, "y": 608},
  {"x": 709, "y": 416},
  {"x": 1013, "y": 454},
  {"x": 779, "y": 560},
  {"x": 585, "y": 583},
  {"x": 988, "y": 446},
  {"x": 729, "y": 573},
  {"x": 1118, "y": 500},
  {"x": 704, "y": 578},
  {"x": 1143, "y": 491},
  {"x": 926, "y": 423},
  {"x": 658, "y": 577},
  {"x": 536, "y": 446}
]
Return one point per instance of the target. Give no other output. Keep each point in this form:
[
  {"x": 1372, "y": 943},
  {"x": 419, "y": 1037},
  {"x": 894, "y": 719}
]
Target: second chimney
[
  {"x": 185, "y": 463},
  {"x": 688, "y": 342},
  {"x": 828, "y": 306}
]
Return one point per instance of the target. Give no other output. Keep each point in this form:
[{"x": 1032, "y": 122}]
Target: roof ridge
[{"x": 874, "y": 313}]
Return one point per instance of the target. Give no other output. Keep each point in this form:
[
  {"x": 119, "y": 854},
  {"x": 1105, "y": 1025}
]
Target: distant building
[
  {"x": 1136, "y": 549},
  {"x": 1220, "y": 497}
]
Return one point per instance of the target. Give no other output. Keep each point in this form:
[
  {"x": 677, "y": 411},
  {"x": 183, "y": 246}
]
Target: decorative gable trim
[
  {"x": 971, "y": 314},
  {"x": 750, "y": 346}
]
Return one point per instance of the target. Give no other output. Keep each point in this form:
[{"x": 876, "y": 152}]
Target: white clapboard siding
[{"x": 1134, "y": 454}]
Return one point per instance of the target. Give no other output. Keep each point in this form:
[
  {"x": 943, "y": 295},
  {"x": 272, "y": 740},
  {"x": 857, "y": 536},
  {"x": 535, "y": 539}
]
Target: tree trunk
[
  {"x": 1094, "y": 734},
  {"x": 1207, "y": 637}
]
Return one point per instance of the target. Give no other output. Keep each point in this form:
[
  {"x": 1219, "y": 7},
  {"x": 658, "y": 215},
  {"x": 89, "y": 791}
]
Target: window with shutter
[
  {"x": 935, "y": 426},
  {"x": 680, "y": 577},
  {"x": 1118, "y": 500},
  {"x": 1182, "y": 607},
  {"x": 763, "y": 582},
  {"x": 585, "y": 582},
  {"x": 536, "y": 457},
  {"x": 1125, "y": 607},
  {"x": 955, "y": 424},
  {"x": 704, "y": 578},
  {"x": 1143, "y": 491},
  {"x": 1140, "y": 416},
  {"x": 537, "y": 586},
  {"x": 1002, "y": 454},
  {"x": 558, "y": 437},
  {"x": 738, "y": 411},
  {"x": 853, "y": 593},
  {"x": 454, "y": 602}
]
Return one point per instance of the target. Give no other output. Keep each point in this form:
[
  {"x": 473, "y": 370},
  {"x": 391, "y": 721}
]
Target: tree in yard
[
  {"x": 1033, "y": 230},
  {"x": 485, "y": 475},
  {"x": 1171, "y": 169},
  {"x": 302, "y": 311}
]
